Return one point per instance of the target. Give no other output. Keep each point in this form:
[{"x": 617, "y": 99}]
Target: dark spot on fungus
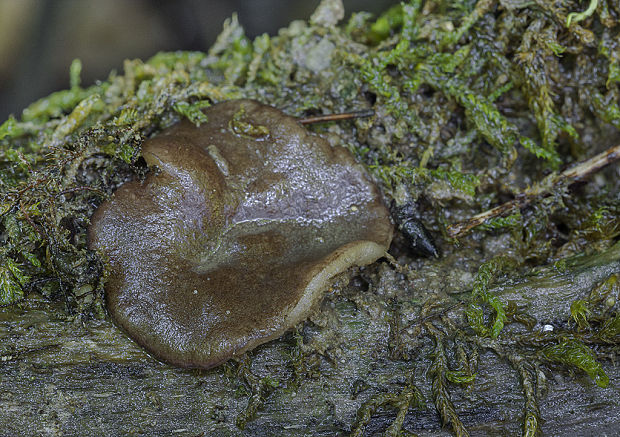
[{"x": 236, "y": 235}]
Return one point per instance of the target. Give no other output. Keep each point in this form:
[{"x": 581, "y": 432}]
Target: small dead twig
[
  {"x": 337, "y": 117},
  {"x": 76, "y": 189},
  {"x": 540, "y": 189}
]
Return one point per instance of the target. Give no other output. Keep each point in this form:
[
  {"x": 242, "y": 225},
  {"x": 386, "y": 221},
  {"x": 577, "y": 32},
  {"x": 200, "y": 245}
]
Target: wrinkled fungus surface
[{"x": 235, "y": 233}]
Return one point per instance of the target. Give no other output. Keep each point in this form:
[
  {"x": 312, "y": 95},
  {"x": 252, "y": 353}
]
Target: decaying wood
[{"x": 64, "y": 376}]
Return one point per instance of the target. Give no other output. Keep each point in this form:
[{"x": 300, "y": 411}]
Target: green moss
[
  {"x": 392, "y": 175},
  {"x": 579, "y": 312},
  {"x": 574, "y": 353},
  {"x": 460, "y": 377},
  {"x": 409, "y": 397},
  {"x": 12, "y": 279},
  {"x": 10, "y": 129},
  {"x": 487, "y": 273},
  {"x": 575, "y": 17},
  {"x": 233, "y": 51},
  {"x": 193, "y": 111},
  {"x": 610, "y": 330},
  {"x": 531, "y": 419},
  {"x": 438, "y": 372},
  {"x": 512, "y": 221},
  {"x": 594, "y": 314},
  {"x": 390, "y": 21}
]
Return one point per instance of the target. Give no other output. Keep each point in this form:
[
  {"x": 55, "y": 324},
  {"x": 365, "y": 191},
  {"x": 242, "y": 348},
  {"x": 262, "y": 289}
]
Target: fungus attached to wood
[{"x": 235, "y": 235}]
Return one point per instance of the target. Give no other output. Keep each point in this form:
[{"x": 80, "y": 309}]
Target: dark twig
[
  {"x": 337, "y": 117},
  {"x": 75, "y": 189}
]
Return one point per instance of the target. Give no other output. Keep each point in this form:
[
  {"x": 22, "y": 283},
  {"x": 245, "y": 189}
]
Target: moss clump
[{"x": 487, "y": 272}]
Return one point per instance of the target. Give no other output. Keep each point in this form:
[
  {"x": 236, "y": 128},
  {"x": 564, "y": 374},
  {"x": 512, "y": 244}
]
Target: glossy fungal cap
[{"x": 237, "y": 234}]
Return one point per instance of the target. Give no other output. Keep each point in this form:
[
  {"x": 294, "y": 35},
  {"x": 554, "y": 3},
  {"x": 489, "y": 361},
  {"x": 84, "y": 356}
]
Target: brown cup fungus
[{"x": 235, "y": 235}]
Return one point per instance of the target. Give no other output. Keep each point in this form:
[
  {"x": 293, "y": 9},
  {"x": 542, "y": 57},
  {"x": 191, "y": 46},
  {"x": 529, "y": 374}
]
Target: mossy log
[
  {"x": 62, "y": 376},
  {"x": 514, "y": 328}
]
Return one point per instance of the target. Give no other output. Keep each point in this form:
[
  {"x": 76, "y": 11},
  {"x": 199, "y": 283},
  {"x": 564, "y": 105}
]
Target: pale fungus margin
[{"x": 235, "y": 234}]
